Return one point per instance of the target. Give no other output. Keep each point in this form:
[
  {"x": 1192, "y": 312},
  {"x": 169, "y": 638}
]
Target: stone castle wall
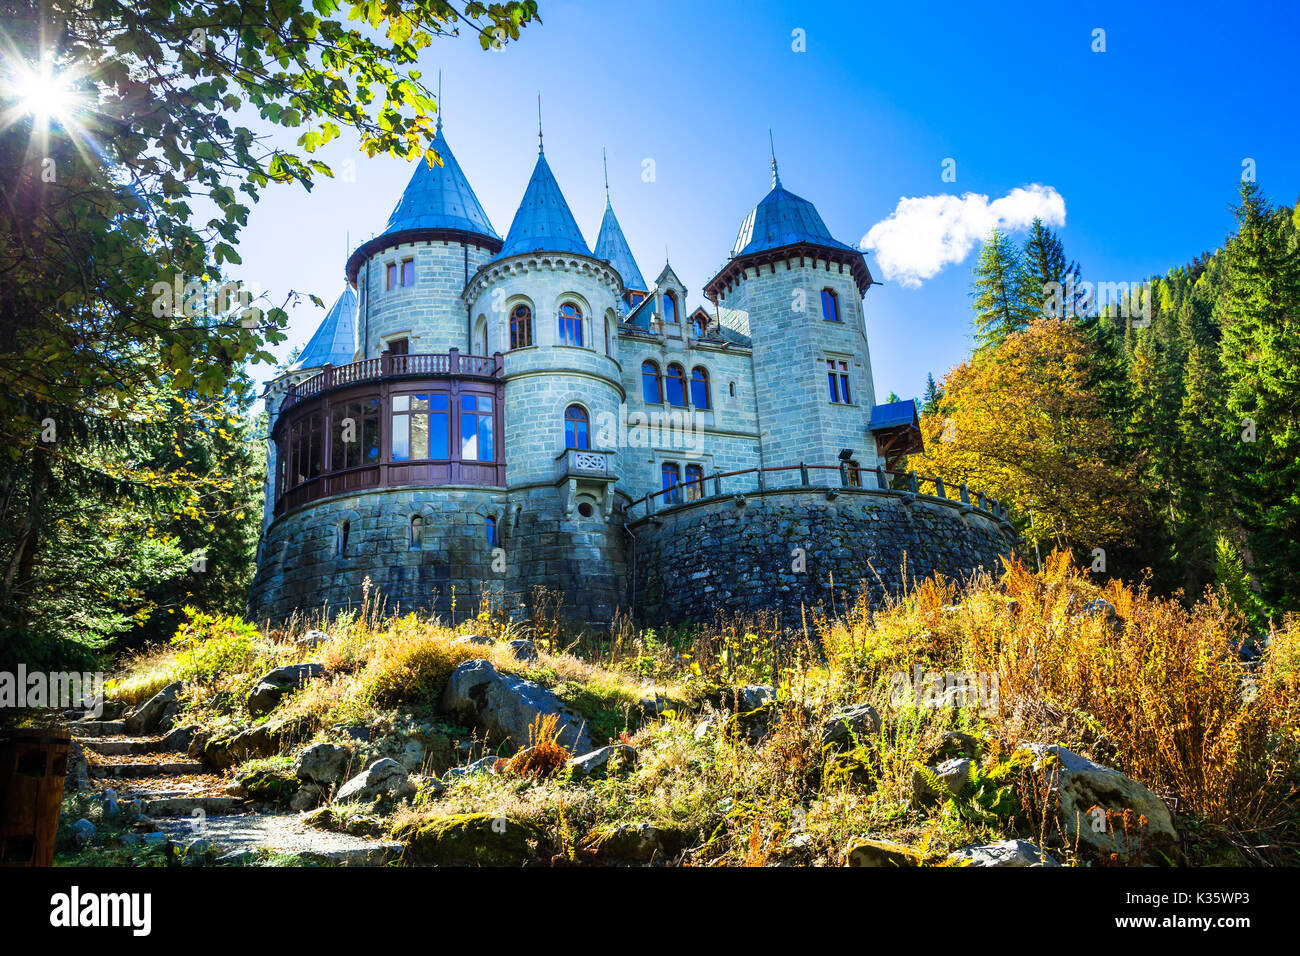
[{"x": 717, "y": 555}]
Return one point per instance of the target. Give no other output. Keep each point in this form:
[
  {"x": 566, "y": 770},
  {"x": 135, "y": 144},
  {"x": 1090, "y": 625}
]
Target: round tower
[
  {"x": 797, "y": 291},
  {"x": 551, "y": 308}
]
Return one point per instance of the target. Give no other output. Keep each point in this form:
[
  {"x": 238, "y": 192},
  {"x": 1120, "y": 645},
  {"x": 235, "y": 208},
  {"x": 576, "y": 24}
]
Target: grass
[{"x": 1154, "y": 687}]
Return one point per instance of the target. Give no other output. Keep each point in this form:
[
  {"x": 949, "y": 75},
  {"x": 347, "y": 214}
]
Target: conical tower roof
[
  {"x": 543, "y": 222},
  {"x": 611, "y": 245},
  {"x": 440, "y": 198},
  {"x": 783, "y": 219},
  {"x": 334, "y": 342}
]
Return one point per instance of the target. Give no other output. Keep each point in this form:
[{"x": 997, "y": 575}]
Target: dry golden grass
[{"x": 544, "y": 754}]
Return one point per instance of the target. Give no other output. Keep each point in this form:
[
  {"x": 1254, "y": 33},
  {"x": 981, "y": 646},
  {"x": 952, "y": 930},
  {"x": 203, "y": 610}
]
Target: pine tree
[
  {"x": 1044, "y": 263},
  {"x": 1260, "y": 313},
  {"x": 933, "y": 396},
  {"x": 998, "y": 292}
]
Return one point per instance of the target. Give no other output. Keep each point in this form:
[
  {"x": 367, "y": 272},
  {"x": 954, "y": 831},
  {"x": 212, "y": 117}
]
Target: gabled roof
[
  {"x": 439, "y": 198},
  {"x": 543, "y": 222},
  {"x": 334, "y": 342},
  {"x": 783, "y": 219},
  {"x": 611, "y": 245}
]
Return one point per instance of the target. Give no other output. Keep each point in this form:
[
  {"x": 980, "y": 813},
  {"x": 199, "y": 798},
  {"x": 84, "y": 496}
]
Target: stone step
[
  {"x": 117, "y": 747},
  {"x": 240, "y": 838},
  {"x": 134, "y": 771},
  {"x": 98, "y": 728},
  {"x": 185, "y": 806}
]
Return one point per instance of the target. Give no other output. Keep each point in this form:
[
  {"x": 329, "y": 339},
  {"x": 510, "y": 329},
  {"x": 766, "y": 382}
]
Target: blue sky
[{"x": 1144, "y": 143}]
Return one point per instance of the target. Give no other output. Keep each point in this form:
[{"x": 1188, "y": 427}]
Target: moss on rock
[{"x": 470, "y": 839}]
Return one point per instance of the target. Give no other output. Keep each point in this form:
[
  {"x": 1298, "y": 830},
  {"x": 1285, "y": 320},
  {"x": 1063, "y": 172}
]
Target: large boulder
[
  {"x": 1005, "y": 853},
  {"x": 1095, "y": 801},
  {"x": 324, "y": 764},
  {"x": 617, "y": 758},
  {"x": 946, "y": 780},
  {"x": 383, "y": 778},
  {"x": 472, "y": 839},
  {"x": 865, "y": 852},
  {"x": 848, "y": 725},
  {"x": 504, "y": 706},
  {"x": 274, "y": 684},
  {"x": 264, "y": 741},
  {"x": 149, "y": 715}
]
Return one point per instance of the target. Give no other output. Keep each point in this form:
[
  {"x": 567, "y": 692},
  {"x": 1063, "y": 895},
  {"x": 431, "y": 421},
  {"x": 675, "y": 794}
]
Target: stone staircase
[{"x": 188, "y": 803}]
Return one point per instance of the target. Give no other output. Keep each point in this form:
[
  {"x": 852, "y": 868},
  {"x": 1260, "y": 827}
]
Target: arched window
[
  {"x": 694, "y": 482},
  {"x": 670, "y": 307},
  {"x": 417, "y": 530},
  {"x": 651, "y": 385},
  {"x": 676, "y": 386},
  {"x": 672, "y": 480},
  {"x": 830, "y": 305},
  {"x": 570, "y": 324},
  {"x": 699, "y": 387},
  {"x": 698, "y": 325},
  {"x": 344, "y": 529},
  {"x": 490, "y": 525},
  {"x": 575, "y": 427},
  {"x": 521, "y": 327}
]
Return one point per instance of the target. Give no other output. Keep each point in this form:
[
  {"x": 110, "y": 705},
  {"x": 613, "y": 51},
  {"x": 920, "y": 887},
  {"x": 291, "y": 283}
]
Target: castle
[{"x": 507, "y": 414}]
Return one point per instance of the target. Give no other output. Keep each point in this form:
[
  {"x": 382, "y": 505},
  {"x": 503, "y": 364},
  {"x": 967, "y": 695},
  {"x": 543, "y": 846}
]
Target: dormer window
[
  {"x": 698, "y": 325},
  {"x": 670, "y": 308}
]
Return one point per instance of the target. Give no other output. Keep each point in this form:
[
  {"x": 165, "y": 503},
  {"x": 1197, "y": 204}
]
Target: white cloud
[{"x": 924, "y": 234}]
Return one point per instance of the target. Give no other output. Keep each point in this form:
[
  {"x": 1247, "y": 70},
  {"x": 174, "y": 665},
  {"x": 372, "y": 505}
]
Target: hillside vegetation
[{"x": 900, "y": 734}]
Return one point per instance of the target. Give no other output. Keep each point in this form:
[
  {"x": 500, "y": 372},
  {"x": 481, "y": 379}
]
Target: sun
[{"x": 44, "y": 94}]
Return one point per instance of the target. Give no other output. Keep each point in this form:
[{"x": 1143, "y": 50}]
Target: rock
[
  {"x": 480, "y": 639},
  {"x": 753, "y": 696},
  {"x": 108, "y": 800},
  {"x": 471, "y": 839},
  {"x": 312, "y": 639},
  {"x": 482, "y": 765},
  {"x": 264, "y": 741},
  {"x": 412, "y": 756},
  {"x": 265, "y": 785},
  {"x": 953, "y": 776},
  {"x": 274, "y": 684},
  {"x": 307, "y": 797},
  {"x": 382, "y": 778},
  {"x": 754, "y": 725},
  {"x": 504, "y": 706},
  {"x": 149, "y": 714},
  {"x": 522, "y": 650},
  {"x": 324, "y": 764},
  {"x": 636, "y": 842},
  {"x": 1006, "y": 853},
  {"x": 864, "y": 852},
  {"x": 1103, "y": 607},
  {"x": 1093, "y": 800},
  {"x": 703, "y": 729},
  {"x": 957, "y": 744},
  {"x": 179, "y": 740},
  {"x": 597, "y": 763},
  {"x": 352, "y": 732},
  {"x": 158, "y": 838},
  {"x": 83, "y": 831},
  {"x": 848, "y": 725},
  {"x": 78, "y": 775}
]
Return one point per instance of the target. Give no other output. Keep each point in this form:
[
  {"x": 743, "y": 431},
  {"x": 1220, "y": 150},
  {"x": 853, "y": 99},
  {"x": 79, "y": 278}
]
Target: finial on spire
[
  {"x": 776, "y": 176},
  {"x": 604, "y": 161},
  {"x": 439, "y": 125},
  {"x": 539, "y": 124}
]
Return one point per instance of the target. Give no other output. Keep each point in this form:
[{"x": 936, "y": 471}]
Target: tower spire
[
  {"x": 776, "y": 176},
  {"x": 539, "y": 124},
  {"x": 604, "y": 161},
  {"x": 439, "y": 125}
]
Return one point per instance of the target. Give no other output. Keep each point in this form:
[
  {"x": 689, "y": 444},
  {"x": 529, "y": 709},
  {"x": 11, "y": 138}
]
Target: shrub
[{"x": 211, "y": 645}]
